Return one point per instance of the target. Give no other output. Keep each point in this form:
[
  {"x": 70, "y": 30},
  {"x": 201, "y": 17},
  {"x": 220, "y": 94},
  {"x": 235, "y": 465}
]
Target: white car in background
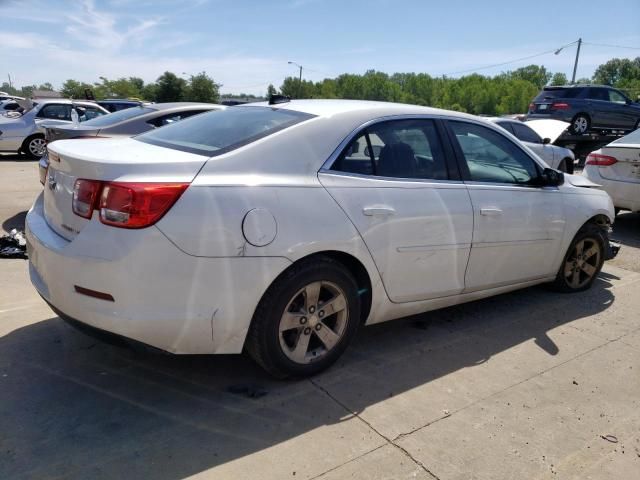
[
  {"x": 280, "y": 228},
  {"x": 539, "y": 135},
  {"x": 616, "y": 167}
]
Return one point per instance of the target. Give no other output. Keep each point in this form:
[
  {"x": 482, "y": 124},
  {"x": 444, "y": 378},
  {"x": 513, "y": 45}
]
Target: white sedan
[
  {"x": 281, "y": 228},
  {"x": 617, "y": 168},
  {"x": 556, "y": 157}
]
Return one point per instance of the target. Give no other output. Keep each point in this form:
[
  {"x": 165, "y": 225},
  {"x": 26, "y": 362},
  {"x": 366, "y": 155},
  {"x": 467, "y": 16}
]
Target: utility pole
[
  {"x": 299, "y": 78},
  {"x": 575, "y": 65},
  {"x": 10, "y": 84}
]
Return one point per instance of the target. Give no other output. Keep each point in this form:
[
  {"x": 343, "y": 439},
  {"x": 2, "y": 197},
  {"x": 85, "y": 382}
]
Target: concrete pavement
[{"x": 523, "y": 385}]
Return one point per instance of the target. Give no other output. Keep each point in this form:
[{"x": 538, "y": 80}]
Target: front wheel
[
  {"x": 583, "y": 261},
  {"x": 305, "y": 320}
]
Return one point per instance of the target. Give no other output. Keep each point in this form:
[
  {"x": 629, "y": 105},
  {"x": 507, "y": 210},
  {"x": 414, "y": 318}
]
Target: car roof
[
  {"x": 363, "y": 109},
  {"x": 183, "y": 105}
]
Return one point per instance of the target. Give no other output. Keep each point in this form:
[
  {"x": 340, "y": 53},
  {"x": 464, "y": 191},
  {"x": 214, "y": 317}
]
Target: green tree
[
  {"x": 170, "y": 88},
  {"x": 559, "y": 78},
  {"x": 202, "y": 88},
  {"x": 617, "y": 71},
  {"x": 46, "y": 86},
  {"x": 271, "y": 90},
  {"x": 536, "y": 74},
  {"x": 75, "y": 89}
]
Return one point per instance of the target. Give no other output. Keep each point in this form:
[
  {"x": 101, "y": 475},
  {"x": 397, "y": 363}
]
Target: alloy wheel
[
  {"x": 580, "y": 125},
  {"x": 582, "y": 264},
  {"x": 313, "y": 322},
  {"x": 37, "y": 147}
]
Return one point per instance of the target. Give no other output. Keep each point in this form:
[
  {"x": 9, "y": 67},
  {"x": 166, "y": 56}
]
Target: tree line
[{"x": 508, "y": 92}]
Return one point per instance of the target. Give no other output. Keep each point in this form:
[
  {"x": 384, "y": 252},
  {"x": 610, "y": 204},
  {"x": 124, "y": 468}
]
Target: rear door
[
  {"x": 518, "y": 226},
  {"x": 394, "y": 180}
]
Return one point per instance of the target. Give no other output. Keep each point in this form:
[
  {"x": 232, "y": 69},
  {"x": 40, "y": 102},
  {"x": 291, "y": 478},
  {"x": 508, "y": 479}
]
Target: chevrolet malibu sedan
[
  {"x": 616, "y": 167},
  {"x": 280, "y": 228}
]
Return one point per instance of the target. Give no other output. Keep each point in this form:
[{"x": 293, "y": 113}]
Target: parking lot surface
[{"x": 531, "y": 384}]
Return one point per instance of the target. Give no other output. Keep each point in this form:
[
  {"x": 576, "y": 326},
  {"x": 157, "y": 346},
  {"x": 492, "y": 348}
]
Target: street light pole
[
  {"x": 299, "y": 78},
  {"x": 575, "y": 65}
]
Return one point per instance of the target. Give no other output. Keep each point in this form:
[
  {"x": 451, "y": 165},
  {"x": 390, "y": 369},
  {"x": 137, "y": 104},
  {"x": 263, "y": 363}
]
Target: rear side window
[
  {"x": 396, "y": 149},
  {"x": 173, "y": 117},
  {"x": 524, "y": 133},
  {"x": 218, "y": 132},
  {"x": 506, "y": 126},
  {"x": 553, "y": 93},
  {"x": 55, "y": 112},
  {"x": 598, "y": 94}
]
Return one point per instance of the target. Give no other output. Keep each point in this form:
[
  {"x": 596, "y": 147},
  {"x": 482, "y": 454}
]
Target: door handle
[
  {"x": 378, "y": 211},
  {"x": 490, "y": 212}
]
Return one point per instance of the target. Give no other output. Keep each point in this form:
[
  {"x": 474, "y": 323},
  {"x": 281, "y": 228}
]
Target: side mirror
[
  {"x": 552, "y": 178},
  {"x": 546, "y": 141}
]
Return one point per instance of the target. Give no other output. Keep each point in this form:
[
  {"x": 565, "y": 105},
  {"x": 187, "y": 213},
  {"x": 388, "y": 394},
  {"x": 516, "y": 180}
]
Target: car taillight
[
  {"x": 560, "y": 106},
  {"x": 85, "y": 194},
  {"x": 125, "y": 204},
  {"x": 600, "y": 160},
  {"x": 137, "y": 205},
  {"x": 532, "y": 107}
]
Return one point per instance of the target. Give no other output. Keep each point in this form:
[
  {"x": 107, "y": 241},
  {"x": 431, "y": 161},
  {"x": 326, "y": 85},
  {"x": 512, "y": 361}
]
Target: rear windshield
[
  {"x": 633, "y": 137},
  {"x": 117, "y": 117},
  {"x": 218, "y": 132},
  {"x": 554, "y": 93}
]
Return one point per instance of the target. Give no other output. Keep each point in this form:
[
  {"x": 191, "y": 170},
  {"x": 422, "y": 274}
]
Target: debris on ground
[
  {"x": 610, "y": 438},
  {"x": 13, "y": 245},
  {"x": 251, "y": 391}
]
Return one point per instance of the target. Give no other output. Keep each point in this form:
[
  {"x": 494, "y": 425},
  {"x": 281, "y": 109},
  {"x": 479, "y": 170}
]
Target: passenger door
[
  {"x": 518, "y": 225},
  {"x": 395, "y": 181}
]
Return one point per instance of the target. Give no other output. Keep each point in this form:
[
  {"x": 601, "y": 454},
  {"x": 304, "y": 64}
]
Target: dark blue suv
[{"x": 586, "y": 107}]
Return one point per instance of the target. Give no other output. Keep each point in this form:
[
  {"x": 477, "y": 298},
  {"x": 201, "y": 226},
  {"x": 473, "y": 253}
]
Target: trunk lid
[
  {"x": 122, "y": 159},
  {"x": 60, "y": 132},
  {"x": 627, "y": 168}
]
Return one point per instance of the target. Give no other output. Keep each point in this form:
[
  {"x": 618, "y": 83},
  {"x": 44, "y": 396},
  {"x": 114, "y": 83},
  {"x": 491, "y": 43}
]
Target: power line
[
  {"x": 512, "y": 61},
  {"x": 611, "y": 46}
]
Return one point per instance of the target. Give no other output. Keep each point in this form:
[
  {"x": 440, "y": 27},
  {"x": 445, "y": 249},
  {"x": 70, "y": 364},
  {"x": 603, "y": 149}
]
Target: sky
[{"x": 246, "y": 44}]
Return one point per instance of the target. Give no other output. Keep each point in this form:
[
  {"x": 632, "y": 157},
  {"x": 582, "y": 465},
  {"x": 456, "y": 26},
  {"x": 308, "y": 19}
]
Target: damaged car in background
[
  {"x": 539, "y": 136},
  {"x": 280, "y": 228},
  {"x": 23, "y": 132}
]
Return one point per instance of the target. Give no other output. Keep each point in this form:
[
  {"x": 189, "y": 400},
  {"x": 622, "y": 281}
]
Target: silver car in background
[
  {"x": 125, "y": 123},
  {"x": 25, "y": 132}
]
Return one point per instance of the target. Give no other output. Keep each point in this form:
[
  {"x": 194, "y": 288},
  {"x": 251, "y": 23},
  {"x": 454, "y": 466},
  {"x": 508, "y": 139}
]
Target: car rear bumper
[
  {"x": 625, "y": 195},
  {"x": 150, "y": 291}
]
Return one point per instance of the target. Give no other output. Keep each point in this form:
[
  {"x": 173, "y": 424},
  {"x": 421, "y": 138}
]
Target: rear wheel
[
  {"x": 580, "y": 124},
  {"x": 583, "y": 261},
  {"x": 34, "y": 146},
  {"x": 568, "y": 165},
  {"x": 305, "y": 320}
]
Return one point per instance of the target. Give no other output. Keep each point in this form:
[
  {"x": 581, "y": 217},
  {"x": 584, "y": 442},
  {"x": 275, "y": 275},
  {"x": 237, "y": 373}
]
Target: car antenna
[{"x": 276, "y": 99}]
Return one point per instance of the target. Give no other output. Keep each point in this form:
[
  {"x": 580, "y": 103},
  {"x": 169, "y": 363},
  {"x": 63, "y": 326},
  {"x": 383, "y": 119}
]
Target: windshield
[
  {"x": 117, "y": 117},
  {"x": 218, "y": 132},
  {"x": 633, "y": 137}
]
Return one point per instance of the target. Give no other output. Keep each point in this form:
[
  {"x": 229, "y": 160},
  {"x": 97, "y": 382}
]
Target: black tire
[
  {"x": 580, "y": 124},
  {"x": 569, "y": 166},
  {"x": 591, "y": 235},
  {"x": 27, "y": 147},
  {"x": 264, "y": 341}
]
